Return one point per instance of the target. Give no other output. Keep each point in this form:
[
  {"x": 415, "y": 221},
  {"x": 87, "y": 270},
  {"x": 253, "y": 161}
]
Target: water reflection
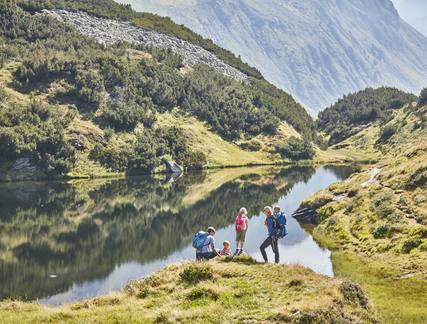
[{"x": 61, "y": 242}]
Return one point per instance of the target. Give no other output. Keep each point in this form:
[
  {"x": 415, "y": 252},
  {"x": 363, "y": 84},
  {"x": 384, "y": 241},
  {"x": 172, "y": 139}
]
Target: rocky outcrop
[{"x": 107, "y": 31}]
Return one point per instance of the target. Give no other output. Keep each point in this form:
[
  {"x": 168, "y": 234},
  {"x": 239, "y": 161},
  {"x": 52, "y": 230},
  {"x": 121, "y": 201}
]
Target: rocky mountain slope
[
  {"x": 316, "y": 50},
  {"x": 94, "y": 88}
]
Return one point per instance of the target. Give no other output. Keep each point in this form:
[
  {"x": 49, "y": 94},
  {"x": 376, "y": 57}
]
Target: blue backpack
[
  {"x": 281, "y": 223},
  {"x": 199, "y": 239}
]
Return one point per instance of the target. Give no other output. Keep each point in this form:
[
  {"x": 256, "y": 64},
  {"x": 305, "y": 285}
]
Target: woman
[{"x": 271, "y": 224}]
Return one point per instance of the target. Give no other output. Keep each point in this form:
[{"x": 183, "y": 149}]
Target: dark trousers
[
  {"x": 204, "y": 256},
  {"x": 273, "y": 241}
]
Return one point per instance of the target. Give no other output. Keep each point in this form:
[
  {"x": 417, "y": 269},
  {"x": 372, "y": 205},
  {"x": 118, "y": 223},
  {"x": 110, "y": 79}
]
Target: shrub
[
  {"x": 353, "y": 294},
  {"x": 410, "y": 244},
  {"x": 381, "y": 231},
  {"x": 422, "y": 100},
  {"x": 253, "y": 146},
  {"x": 296, "y": 149},
  {"x": 193, "y": 274},
  {"x": 202, "y": 292},
  {"x": 387, "y": 132}
]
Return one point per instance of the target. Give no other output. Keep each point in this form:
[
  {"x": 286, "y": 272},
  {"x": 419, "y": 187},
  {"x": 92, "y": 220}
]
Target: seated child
[{"x": 226, "y": 250}]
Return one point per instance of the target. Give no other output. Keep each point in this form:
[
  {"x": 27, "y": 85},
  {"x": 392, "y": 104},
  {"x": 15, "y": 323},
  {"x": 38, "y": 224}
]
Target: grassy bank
[{"x": 218, "y": 292}]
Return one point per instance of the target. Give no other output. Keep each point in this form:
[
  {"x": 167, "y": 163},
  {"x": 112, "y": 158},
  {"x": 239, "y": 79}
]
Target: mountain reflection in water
[{"x": 60, "y": 242}]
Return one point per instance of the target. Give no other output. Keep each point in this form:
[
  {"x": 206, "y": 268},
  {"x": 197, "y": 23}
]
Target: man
[
  {"x": 272, "y": 238},
  {"x": 208, "y": 250}
]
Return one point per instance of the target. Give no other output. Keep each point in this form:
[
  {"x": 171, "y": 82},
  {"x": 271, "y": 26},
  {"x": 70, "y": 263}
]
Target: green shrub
[
  {"x": 410, "y": 244},
  {"x": 353, "y": 294},
  {"x": 202, "y": 292},
  {"x": 252, "y": 146},
  {"x": 387, "y": 132},
  {"x": 194, "y": 274},
  {"x": 296, "y": 149},
  {"x": 422, "y": 99}
]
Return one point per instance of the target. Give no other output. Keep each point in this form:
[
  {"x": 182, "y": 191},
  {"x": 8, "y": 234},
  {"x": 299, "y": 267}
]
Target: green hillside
[
  {"x": 376, "y": 221},
  {"x": 355, "y": 111},
  {"x": 72, "y": 106}
]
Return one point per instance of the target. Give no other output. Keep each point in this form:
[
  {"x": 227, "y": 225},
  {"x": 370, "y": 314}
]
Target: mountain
[
  {"x": 86, "y": 91},
  {"x": 414, "y": 12},
  {"x": 316, "y": 50}
]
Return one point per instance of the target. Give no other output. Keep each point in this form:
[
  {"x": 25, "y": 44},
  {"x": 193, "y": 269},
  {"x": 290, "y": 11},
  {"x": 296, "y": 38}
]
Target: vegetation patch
[{"x": 194, "y": 274}]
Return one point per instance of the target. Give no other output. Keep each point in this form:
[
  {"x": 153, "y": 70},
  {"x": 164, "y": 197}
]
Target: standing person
[
  {"x": 206, "y": 249},
  {"x": 272, "y": 239},
  {"x": 241, "y": 227}
]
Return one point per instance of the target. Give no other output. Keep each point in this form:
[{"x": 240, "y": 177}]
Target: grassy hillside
[
  {"x": 377, "y": 219},
  {"x": 92, "y": 110},
  {"x": 353, "y": 112},
  {"x": 216, "y": 293}
]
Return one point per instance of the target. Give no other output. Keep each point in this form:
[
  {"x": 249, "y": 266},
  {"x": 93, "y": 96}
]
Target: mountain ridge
[{"x": 292, "y": 43}]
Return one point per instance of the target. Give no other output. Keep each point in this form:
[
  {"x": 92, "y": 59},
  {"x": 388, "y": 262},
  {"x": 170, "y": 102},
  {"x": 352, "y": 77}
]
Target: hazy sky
[{"x": 414, "y": 12}]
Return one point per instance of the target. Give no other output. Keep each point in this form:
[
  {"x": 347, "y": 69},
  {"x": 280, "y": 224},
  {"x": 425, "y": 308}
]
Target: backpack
[
  {"x": 281, "y": 224},
  {"x": 240, "y": 223},
  {"x": 199, "y": 240}
]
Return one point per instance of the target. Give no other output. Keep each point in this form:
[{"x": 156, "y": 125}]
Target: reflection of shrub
[
  {"x": 296, "y": 149},
  {"x": 195, "y": 273}
]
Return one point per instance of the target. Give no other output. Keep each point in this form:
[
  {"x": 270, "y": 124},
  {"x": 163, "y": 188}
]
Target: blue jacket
[{"x": 271, "y": 225}]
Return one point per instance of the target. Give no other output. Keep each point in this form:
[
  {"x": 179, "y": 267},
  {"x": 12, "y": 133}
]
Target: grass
[
  {"x": 396, "y": 300},
  {"x": 215, "y": 292}
]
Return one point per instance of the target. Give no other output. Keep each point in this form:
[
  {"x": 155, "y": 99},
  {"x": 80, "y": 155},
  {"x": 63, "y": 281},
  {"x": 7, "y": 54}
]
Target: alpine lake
[{"x": 69, "y": 240}]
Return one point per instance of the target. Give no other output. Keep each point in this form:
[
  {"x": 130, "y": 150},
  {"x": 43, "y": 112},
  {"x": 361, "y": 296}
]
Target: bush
[
  {"x": 422, "y": 100},
  {"x": 387, "y": 132},
  {"x": 353, "y": 294},
  {"x": 252, "y": 146},
  {"x": 410, "y": 244},
  {"x": 193, "y": 274},
  {"x": 202, "y": 292},
  {"x": 296, "y": 149}
]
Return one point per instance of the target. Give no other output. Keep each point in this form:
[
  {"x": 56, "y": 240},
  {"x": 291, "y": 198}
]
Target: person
[
  {"x": 226, "y": 250},
  {"x": 207, "y": 251},
  {"x": 281, "y": 220},
  {"x": 241, "y": 227},
  {"x": 272, "y": 239}
]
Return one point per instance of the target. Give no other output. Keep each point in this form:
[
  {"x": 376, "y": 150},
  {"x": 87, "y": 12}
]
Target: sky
[{"x": 414, "y": 12}]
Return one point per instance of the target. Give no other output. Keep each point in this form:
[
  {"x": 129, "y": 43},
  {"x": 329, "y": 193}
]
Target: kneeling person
[{"x": 207, "y": 250}]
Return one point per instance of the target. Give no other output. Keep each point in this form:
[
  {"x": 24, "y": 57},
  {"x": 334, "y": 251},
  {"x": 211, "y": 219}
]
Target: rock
[
  {"x": 305, "y": 215},
  {"x": 108, "y": 31},
  {"x": 173, "y": 167}
]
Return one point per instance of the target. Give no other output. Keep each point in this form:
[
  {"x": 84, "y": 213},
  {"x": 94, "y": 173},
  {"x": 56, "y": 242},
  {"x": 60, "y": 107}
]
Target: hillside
[
  {"x": 82, "y": 101},
  {"x": 218, "y": 292},
  {"x": 378, "y": 216},
  {"x": 316, "y": 50}
]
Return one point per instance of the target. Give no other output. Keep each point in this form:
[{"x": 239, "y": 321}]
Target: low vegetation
[{"x": 214, "y": 292}]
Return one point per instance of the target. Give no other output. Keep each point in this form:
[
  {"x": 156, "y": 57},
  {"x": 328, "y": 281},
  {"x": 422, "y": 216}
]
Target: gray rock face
[
  {"x": 107, "y": 31},
  {"x": 316, "y": 50}
]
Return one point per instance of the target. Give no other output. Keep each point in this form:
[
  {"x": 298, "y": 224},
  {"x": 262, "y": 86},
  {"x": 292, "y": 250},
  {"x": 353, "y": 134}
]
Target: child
[
  {"x": 226, "y": 250},
  {"x": 241, "y": 226}
]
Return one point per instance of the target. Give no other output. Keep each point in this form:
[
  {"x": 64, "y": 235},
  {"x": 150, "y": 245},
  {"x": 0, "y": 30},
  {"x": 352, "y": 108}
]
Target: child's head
[
  {"x": 226, "y": 244},
  {"x": 243, "y": 211},
  {"x": 268, "y": 211},
  {"x": 277, "y": 209}
]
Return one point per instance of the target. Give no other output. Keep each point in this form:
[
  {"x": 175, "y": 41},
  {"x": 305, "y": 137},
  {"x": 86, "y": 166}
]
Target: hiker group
[{"x": 275, "y": 222}]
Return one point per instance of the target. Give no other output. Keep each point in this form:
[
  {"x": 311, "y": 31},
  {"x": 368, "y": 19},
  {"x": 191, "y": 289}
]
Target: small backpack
[
  {"x": 199, "y": 239},
  {"x": 281, "y": 224},
  {"x": 240, "y": 223}
]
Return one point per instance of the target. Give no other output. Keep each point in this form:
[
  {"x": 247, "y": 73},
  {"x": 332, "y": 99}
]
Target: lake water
[{"x": 61, "y": 242}]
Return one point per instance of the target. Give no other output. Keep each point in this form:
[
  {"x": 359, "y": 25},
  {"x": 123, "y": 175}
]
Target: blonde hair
[
  {"x": 243, "y": 211},
  {"x": 226, "y": 243},
  {"x": 269, "y": 209}
]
